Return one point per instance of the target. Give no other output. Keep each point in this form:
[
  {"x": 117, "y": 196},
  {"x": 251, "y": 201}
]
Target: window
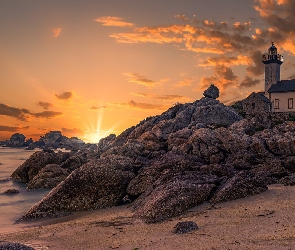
[
  {"x": 290, "y": 103},
  {"x": 277, "y": 104}
]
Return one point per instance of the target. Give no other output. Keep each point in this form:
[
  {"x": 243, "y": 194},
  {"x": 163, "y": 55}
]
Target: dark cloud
[
  {"x": 20, "y": 114},
  {"x": 64, "y": 95},
  {"x": 44, "y": 105},
  {"x": 9, "y": 129},
  {"x": 241, "y": 27},
  {"x": 249, "y": 82},
  {"x": 280, "y": 18},
  {"x": 257, "y": 68},
  {"x": 223, "y": 77},
  {"x": 47, "y": 114}
]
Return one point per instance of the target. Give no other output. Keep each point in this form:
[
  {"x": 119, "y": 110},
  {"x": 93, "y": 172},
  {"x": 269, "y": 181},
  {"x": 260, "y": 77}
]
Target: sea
[{"x": 13, "y": 206}]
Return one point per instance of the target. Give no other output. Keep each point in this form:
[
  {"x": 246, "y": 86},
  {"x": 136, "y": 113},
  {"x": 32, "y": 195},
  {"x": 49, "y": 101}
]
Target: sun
[{"x": 93, "y": 131}]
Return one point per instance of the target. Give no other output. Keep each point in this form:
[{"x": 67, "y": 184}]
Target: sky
[{"x": 89, "y": 68}]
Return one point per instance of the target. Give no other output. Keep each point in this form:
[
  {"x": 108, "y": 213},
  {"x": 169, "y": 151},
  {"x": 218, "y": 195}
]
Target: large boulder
[
  {"x": 212, "y": 92},
  {"x": 241, "y": 185},
  {"x": 90, "y": 187},
  {"x": 16, "y": 140},
  {"x": 168, "y": 163},
  {"x": 174, "y": 196},
  {"x": 5, "y": 245},
  {"x": 48, "y": 177},
  {"x": 31, "y": 167}
]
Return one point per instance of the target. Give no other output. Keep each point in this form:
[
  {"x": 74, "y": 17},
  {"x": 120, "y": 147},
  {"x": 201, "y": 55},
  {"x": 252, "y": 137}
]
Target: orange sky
[{"x": 90, "y": 68}]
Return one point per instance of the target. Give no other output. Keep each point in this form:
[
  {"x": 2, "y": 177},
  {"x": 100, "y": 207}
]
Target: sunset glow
[{"x": 91, "y": 68}]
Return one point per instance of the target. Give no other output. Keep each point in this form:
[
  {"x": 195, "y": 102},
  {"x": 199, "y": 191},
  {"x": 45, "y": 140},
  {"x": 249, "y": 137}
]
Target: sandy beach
[{"x": 264, "y": 221}]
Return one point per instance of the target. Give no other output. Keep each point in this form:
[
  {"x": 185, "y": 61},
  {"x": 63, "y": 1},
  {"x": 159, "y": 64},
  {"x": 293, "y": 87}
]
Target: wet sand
[{"x": 265, "y": 221}]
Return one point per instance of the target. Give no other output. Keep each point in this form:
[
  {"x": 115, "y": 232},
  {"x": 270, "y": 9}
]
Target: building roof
[
  {"x": 259, "y": 95},
  {"x": 283, "y": 86},
  {"x": 263, "y": 97}
]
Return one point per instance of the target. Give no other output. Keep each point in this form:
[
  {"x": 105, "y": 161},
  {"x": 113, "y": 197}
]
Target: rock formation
[
  {"x": 16, "y": 140},
  {"x": 212, "y": 92},
  {"x": 192, "y": 153},
  {"x": 185, "y": 227}
]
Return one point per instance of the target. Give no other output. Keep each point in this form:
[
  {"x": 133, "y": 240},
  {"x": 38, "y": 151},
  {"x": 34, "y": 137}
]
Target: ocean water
[{"x": 13, "y": 206}]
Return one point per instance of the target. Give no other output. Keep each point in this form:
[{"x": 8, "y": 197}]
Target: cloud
[
  {"x": 162, "y": 97},
  {"x": 279, "y": 16},
  {"x": 141, "y": 80},
  {"x": 56, "y": 32},
  {"x": 185, "y": 82},
  {"x": 44, "y": 105},
  {"x": 140, "y": 105},
  {"x": 249, "y": 82},
  {"x": 258, "y": 68},
  {"x": 113, "y": 21},
  {"x": 241, "y": 27},
  {"x": 47, "y": 114},
  {"x": 224, "y": 60},
  {"x": 64, "y": 95},
  {"x": 20, "y": 114},
  {"x": 8, "y": 128},
  {"x": 181, "y": 17},
  {"x": 72, "y": 131},
  {"x": 223, "y": 77},
  {"x": 100, "y": 107}
]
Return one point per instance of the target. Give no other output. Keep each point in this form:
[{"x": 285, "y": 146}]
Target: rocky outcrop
[
  {"x": 16, "y": 140},
  {"x": 190, "y": 154},
  {"x": 241, "y": 185},
  {"x": 4, "y": 245},
  {"x": 174, "y": 196},
  {"x": 48, "y": 177},
  {"x": 54, "y": 139},
  {"x": 90, "y": 187},
  {"x": 11, "y": 191},
  {"x": 31, "y": 167}
]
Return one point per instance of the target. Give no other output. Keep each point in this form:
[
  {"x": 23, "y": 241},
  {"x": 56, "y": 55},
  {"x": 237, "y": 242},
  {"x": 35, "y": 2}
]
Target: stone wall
[{"x": 254, "y": 104}]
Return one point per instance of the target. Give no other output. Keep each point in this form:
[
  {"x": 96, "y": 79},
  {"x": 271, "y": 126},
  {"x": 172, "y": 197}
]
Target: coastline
[{"x": 263, "y": 221}]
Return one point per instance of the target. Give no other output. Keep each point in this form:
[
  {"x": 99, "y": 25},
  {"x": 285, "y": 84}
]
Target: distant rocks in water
[
  {"x": 4, "y": 245},
  {"x": 185, "y": 227},
  {"x": 190, "y": 154},
  {"x": 31, "y": 167},
  {"x": 11, "y": 191},
  {"x": 18, "y": 140},
  {"x": 55, "y": 139},
  {"x": 212, "y": 92},
  {"x": 52, "y": 139}
]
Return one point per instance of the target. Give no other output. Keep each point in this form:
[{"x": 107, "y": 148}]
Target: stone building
[
  {"x": 278, "y": 95},
  {"x": 256, "y": 103}
]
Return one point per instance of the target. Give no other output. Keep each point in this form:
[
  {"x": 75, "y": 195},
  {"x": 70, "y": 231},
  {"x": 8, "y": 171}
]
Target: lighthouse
[{"x": 272, "y": 67}]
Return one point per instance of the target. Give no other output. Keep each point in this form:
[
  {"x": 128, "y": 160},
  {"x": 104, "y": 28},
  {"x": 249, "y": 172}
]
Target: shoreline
[{"x": 263, "y": 221}]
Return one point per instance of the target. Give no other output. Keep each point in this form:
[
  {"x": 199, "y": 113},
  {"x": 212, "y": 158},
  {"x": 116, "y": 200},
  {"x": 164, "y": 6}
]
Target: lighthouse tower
[{"x": 272, "y": 64}]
